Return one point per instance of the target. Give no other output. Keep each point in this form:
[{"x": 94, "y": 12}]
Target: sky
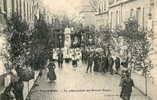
[{"x": 69, "y": 7}]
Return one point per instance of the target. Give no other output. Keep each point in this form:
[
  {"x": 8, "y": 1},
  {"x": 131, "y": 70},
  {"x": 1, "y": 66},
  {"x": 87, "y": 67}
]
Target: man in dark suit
[
  {"x": 110, "y": 64},
  {"x": 60, "y": 60},
  {"x": 117, "y": 64},
  {"x": 90, "y": 63},
  {"x": 105, "y": 63}
]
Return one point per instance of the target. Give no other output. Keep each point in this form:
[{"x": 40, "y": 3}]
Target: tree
[
  {"x": 139, "y": 46},
  {"x": 4, "y": 54},
  {"x": 139, "y": 42},
  {"x": 28, "y": 49},
  {"x": 41, "y": 43},
  {"x": 104, "y": 39},
  {"x": 17, "y": 38}
]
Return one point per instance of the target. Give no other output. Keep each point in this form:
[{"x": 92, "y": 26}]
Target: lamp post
[
  {"x": 60, "y": 41},
  {"x": 145, "y": 75}
]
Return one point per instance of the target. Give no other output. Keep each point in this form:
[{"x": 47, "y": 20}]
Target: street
[
  {"x": 119, "y": 37},
  {"x": 75, "y": 84}
]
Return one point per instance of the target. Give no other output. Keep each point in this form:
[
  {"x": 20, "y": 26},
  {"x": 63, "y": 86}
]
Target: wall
[
  {"x": 2, "y": 67},
  {"x": 24, "y": 8},
  {"x": 89, "y": 18},
  {"x": 119, "y": 12},
  {"x": 145, "y": 11},
  {"x": 138, "y": 9},
  {"x": 2, "y": 45},
  {"x": 87, "y": 13},
  {"x": 102, "y": 20},
  {"x": 154, "y": 28}
]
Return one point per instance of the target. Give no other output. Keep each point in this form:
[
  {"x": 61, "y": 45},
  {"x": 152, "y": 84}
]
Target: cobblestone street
[{"x": 75, "y": 84}]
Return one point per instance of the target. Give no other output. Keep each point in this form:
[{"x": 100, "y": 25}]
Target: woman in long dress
[{"x": 51, "y": 75}]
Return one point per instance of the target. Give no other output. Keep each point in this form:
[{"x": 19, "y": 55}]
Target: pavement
[
  {"x": 75, "y": 84},
  {"x": 1, "y": 84},
  {"x": 140, "y": 81},
  {"x": 28, "y": 85},
  {"x": 5, "y": 81}
]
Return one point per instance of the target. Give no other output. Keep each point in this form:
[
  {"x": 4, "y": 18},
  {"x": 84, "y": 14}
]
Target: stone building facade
[
  {"x": 27, "y": 9},
  {"x": 87, "y": 14},
  {"x": 116, "y": 12}
]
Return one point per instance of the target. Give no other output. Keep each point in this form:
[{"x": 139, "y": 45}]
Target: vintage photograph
[{"x": 78, "y": 49}]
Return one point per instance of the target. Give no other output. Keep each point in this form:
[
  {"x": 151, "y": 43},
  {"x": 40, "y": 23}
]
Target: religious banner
[
  {"x": 90, "y": 39},
  {"x": 76, "y": 40}
]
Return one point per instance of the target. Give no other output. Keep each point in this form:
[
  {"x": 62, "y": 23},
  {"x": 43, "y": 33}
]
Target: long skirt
[
  {"x": 96, "y": 67},
  {"x": 51, "y": 75},
  {"x": 125, "y": 96},
  {"x": 74, "y": 63}
]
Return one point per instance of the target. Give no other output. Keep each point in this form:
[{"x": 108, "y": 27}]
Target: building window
[
  {"x": 131, "y": 12},
  {"x": 143, "y": 19},
  {"x": 17, "y": 7},
  {"x": 104, "y": 5},
  {"x": 30, "y": 12},
  {"x": 5, "y": 5},
  {"x": 138, "y": 15},
  {"x": 2, "y": 20},
  {"x": 20, "y": 7},
  {"x": 24, "y": 9},
  {"x": 117, "y": 17},
  {"x": 151, "y": 2},
  {"x": 1, "y": 3},
  {"x": 119, "y": 0},
  {"x": 13, "y": 6},
  {"x": 111, "y": 2},
  {"x": 99, "y": 9},
  {"x": 27, "y": 11},
  {"x": 111, "y": 19}
]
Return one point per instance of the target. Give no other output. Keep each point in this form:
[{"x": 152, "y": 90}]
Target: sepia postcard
[{"x": 78, "y": 49}]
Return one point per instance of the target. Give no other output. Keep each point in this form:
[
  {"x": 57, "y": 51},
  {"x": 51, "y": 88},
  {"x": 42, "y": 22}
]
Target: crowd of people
[
  {"x": 99, "y": 62},
  {"x": 95, "y": 61},
  {"x": 15, "y": 88}
]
